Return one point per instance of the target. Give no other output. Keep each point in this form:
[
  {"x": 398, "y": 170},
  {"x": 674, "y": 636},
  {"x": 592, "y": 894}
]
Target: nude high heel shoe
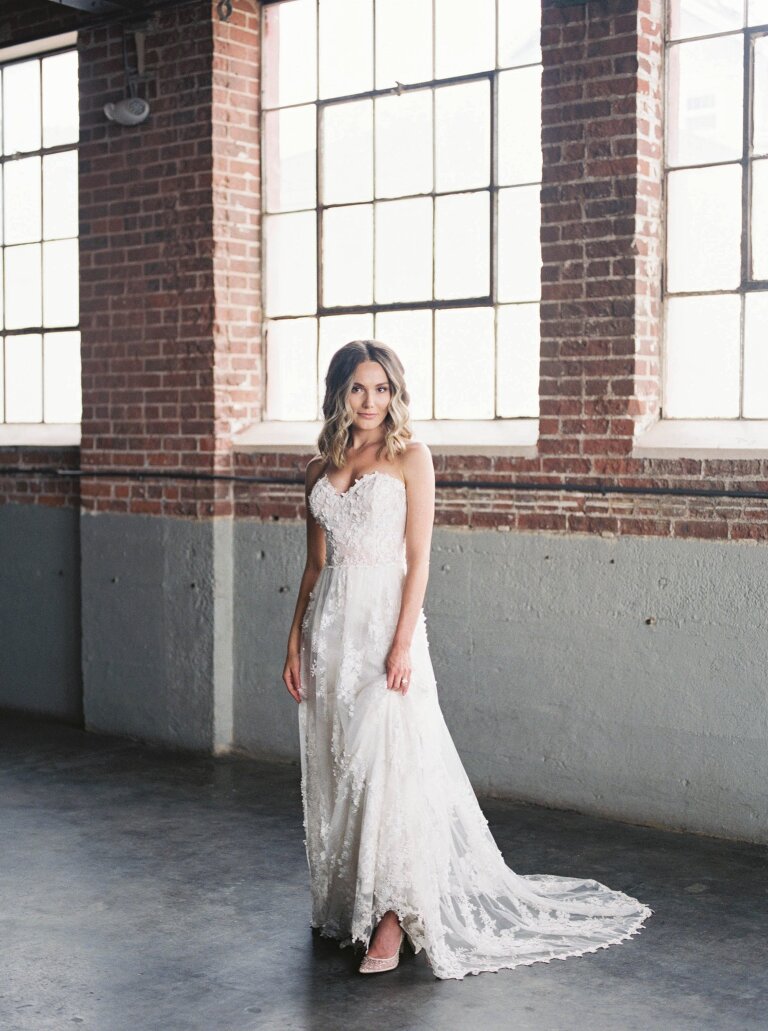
[{"x": 371, "y": 965}]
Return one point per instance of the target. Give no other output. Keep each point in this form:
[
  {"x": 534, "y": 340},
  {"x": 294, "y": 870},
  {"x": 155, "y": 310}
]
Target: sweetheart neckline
[{"x": 351, "y": 487}]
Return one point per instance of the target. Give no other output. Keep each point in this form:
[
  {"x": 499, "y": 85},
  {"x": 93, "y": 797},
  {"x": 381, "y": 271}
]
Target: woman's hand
[
  {"x": 292, "y": 674},
  {"x": 398, "y": 664}
]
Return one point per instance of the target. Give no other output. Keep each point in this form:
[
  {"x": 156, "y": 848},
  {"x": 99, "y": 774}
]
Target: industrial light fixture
[{"x": 132, "y": 109}]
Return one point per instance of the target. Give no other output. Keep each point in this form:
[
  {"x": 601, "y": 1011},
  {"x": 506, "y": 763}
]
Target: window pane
[
  {"x": 289, "y": 153},
  {"x": 348, "y": 255},
  {"x": 61, "y": 303},
  {"x": 705, "y": 96},
  {"x": 292, "y": 369},
  {"x": 60, "y": 100},
  {"x": 347, "y": 152},
  {"x": 403, "y": 42},
  {"x": 22, "y": 201},
  {"x": 291, "y": 262},
  {"x": 409, "y": 333},
  {"x": 404, "y": 250},
  {"x": 289, "y": 53},
  {"x": 462, "y": 245},
  {"x": 23, "y": 378},
  {"x": 519, "y": 259},
  {"x": 21, "y": 107},
  {"x": 61, "y": 384},
  {"x": 756, "y": 356},
  {"x": 519, "y": 126},
  {"x": 703, "y": 17},
  {"x": 519, "y": 32},
  {"x": 758, "y": 12},
  {"x": 464, "y": 41},
  {"x": 760, "y": 220},
  {"x": 464, "y": 363},
  {"x": 60, "y": 212},
  {"x": 760, "y": 109},
  {"x": 2, "y": 380},
  {"x": 702, "y": 357},
  {"x": 463, "y": 136},
  {"x": 23, "y": 288},
  {"x": 335, "y": 331},
  {"x": 517, "y": 360},
  {"x": 704, "y": 229},
  {"x": 346, "y": 47},
  {"x": 404, "y": 144}
]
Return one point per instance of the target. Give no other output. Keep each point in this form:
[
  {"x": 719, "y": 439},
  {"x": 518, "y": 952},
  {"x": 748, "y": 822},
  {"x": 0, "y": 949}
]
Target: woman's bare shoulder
[
  {"x": 416, "y": 462},
  {"x": 314, "y": 471}
]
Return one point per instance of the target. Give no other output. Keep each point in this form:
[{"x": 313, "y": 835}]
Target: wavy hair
[{"x": 335, "y": 436}]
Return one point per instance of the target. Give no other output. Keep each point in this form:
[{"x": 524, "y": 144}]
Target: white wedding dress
[{"x": 391, "y": 819}]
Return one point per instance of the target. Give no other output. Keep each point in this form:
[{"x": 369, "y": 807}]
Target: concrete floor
[{"x": 144, "y": 891}]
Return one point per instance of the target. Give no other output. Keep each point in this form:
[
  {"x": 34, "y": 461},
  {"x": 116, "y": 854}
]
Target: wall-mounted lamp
[{"x": 132, "y": 109}]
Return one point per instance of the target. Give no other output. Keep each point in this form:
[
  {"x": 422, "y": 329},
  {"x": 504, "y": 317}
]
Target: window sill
[
  {"x": 704, "y": 438},
  {"x": 515, "y": 437},
  {"x": 37, "y": 434}
]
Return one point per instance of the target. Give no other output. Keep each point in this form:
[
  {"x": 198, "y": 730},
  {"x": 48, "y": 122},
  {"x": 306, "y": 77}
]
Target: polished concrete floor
[{"x": 144, "y": 891}]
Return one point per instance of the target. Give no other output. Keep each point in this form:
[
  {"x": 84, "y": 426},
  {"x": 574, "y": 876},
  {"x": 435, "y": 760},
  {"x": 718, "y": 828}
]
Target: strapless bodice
[{"x": 364, "y": 526}]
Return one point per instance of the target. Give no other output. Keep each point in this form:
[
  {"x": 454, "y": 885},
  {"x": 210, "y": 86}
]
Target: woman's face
[{"x": 369, "y": 395}]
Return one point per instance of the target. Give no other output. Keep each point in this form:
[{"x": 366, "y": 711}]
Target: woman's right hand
[{"x": 292, "y": 675}]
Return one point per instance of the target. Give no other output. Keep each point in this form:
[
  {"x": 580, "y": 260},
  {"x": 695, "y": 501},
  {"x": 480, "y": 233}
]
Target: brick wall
[
  {"x": 163, "y": 368},
  {"x": 601, "y": 315},
  {"x": 22, "y": 22},
  {"x": 236, "y": 227},
  {"x": 169, "y": 252},
  {"x": 170, "y": 292}
]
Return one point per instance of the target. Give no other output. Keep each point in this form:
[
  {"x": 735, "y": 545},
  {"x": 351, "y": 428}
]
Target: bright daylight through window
[
  {"x": 716, "y": 349},
  {"x": 40, "y": 367},
  {"x": 402, "y": 169}
]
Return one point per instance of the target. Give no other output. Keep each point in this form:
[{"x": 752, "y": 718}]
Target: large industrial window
[
  {"x": 39, "y": 309},
  {"x": 402, "y": 169},
  {"x": 716, "y": 349}
]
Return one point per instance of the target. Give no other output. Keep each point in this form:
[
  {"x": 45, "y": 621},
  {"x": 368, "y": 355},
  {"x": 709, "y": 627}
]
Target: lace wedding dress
[{"x": 391, "y": 819}]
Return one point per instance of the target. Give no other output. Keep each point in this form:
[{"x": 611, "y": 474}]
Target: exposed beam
[{"x": 95, "y": 6}]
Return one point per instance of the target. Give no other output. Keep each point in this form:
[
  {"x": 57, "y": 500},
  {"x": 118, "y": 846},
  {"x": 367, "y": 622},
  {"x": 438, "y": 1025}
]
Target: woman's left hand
[{"x": 398, "y": 664}]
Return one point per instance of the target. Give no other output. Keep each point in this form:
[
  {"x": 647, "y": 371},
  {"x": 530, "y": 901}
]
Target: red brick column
[
  {"x": 169, "y": 263},
  {"x": 236, "y": 231},
  {"x": 601, "y": 230}
]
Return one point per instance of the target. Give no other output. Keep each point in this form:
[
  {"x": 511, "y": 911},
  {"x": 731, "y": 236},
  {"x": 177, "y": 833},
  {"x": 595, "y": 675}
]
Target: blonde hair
[{"x": 335, "y": 436}]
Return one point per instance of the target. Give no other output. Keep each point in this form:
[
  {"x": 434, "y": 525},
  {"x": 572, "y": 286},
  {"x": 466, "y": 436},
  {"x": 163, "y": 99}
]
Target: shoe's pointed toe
[{"x": 371, "y": 965}]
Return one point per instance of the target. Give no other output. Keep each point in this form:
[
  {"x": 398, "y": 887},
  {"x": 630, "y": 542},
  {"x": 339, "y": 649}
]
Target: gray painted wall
[
  {"x": 619, "y": 676},
  {"x": 40, "y": 611},
  {"x": 554, "y": 683},
  {"x": 157, "y": 628}
]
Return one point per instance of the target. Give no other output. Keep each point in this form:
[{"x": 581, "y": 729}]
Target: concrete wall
[
  {"x": 40, "y": 611},
  {"x": 157, "y": 646},
  {"x": 620, "y": 676},
  {"x": 623, "y": 676}
]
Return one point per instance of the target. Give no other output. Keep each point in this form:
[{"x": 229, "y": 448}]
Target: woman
[{"x": 397, "y": 844}]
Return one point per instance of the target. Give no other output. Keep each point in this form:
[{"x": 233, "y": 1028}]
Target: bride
[{"x": 397, "y": 846}]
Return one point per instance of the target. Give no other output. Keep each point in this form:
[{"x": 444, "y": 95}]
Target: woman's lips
[{"x": 369, "y": 415}]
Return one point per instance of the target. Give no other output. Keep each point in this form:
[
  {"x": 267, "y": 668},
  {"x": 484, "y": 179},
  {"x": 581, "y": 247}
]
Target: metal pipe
[{"x": 499, "y": 485}]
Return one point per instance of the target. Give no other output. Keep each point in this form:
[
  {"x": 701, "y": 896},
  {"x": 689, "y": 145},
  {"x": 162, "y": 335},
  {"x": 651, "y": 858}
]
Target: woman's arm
[
  {"x": 314, "y": 563},
  {"x": 419, "y": 474}
]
